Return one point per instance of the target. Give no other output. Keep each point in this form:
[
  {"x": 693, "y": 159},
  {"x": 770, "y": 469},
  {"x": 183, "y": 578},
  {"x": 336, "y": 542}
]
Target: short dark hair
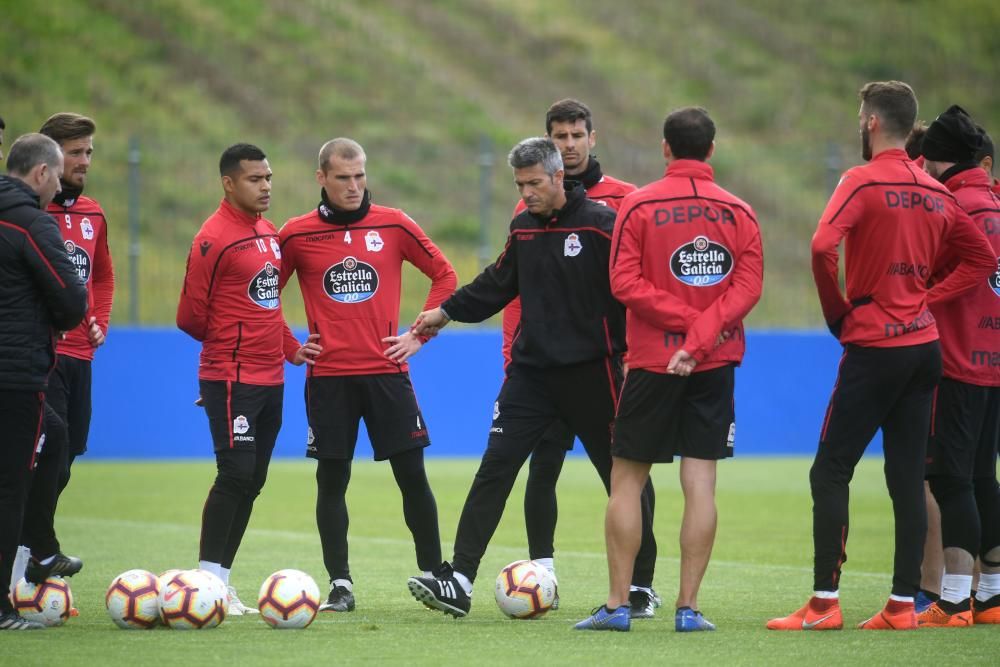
[
  {"x": 67, "y": 126},
  {"x": 894, "y": 102},
  {"x": 232, "y": 156},
  {"x": 30, "y": 150},
  {"x": 915, "y": 140},
  {"x": 568, "y": 111},
  {"x": 689, "y": 132},
  {"x": 3, "y": 125},
  {"x": 986, "y": 150},
  {"x": 536, "y": 150}
]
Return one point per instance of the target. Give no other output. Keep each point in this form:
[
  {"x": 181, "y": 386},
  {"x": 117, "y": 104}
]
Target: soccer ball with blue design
[{"x": 525, "y": 589}]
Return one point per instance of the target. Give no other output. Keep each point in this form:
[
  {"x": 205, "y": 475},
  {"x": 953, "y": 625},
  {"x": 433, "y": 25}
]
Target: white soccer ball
[
  {"x": 48, "y": 603},
  {"x": 133, "y": 600},
  {"x": 193, "y": 600},
  {"x": 525, "y": 589},
  {"x": 288, "y": 599}
]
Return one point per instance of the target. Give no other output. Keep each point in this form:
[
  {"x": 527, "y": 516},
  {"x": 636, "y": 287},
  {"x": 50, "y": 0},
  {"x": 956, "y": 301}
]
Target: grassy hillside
[{"x": 419, "y": 85}]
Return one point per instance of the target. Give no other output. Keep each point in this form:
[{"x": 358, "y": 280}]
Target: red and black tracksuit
[
  {"x": 349, "y": 266},
  {"x": 895, "y": 222},
  {"x": 40, "y": 295},
  {"x": 230, "y": 302},
  {"x": 84, "y": 230},
  {"x": 965, "y": 424},
  {"x": 565, "y": 359},
  {"x": 540, "y": 503}
]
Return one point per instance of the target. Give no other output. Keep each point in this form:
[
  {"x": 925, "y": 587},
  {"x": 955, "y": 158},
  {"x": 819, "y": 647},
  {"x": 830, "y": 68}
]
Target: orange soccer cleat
[
  {"x": 986, "y": 613},
  {"x": 894, "y": 616},
  {"x": 936, "y": 617},
  {"x": 817, "y": 614}
]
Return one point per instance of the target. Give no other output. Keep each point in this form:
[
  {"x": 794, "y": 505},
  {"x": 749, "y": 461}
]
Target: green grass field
[{"x": 118, "y": 516}]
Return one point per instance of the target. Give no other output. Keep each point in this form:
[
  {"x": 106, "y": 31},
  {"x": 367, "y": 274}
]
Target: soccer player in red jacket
[
  {"x": 687, "y": 264},
  {"x": 348, "y": 254},
  {"x": 231, "y": 303},
  {"x": 569, "y": 123},
  {"x": 965, "y": 424},
  {"x": 895, "y": 221},
  {"x": 68, "y": 397}
]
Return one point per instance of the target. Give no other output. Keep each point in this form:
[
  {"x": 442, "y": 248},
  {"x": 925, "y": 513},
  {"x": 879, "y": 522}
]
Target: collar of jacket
[
  {"x": 891, "y": 154},
  {"x": 575, "y": 195},
  {"x": 590, "y": 176},
  {"x": 67, "y": 196},
  {"x": 330, "y": 213},
  {"x": 690, "y": 169},
  {"x": 238, "y": 215},
  {"x": 963, "y": 175}
]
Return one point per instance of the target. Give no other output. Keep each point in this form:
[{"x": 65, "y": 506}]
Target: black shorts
[
  {"x": 661, "y": 416},
  {"x": 69, "y": 396},
  {"x": 335, "y": 406},
  {"x": 241, "y": 416},
  {"x": 965, "y": 426}
]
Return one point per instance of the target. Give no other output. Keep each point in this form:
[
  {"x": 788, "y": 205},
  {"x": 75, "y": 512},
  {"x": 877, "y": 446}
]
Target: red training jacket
[
  {"x": 895, "y": 220},
  {"x": 969, "y": 324},
  {"x": 85, "y": 236},
  {"x": 608, "y": 191},
  {"x": 231, "y": 303},
  {"x": 687, "y": 263},
  {"x": 350, "y": 277}
]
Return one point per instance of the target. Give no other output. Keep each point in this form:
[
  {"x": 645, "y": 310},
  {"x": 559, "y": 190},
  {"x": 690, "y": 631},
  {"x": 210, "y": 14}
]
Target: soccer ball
[
  {"x": 288, "y": 599},
  {"x": 525, "y": 589},
  {"x": 193, "y": 600},
  {"x": 48, "y": 603},
  {"x": 133, "y": 600}
]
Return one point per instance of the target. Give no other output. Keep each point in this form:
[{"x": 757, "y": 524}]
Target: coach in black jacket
[
  {"x": 40, "y": 295},
  {"x": 564, "y": 358}
]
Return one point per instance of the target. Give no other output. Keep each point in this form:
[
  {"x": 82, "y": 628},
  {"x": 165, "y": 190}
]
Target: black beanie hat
[
  {"x": 952, "y": 137},
  {"x": 986, "y": 149}
]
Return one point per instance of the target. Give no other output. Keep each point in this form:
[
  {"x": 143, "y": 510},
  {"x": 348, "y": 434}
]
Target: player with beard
[
  {"x": 83, "y": 226},
  {"x": 895, "y": 221}
]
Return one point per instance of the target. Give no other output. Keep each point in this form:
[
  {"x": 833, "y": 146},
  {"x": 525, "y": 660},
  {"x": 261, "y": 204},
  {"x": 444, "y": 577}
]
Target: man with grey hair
[
  {"x": 40, "y": 295},
  {"x": 565, "y": 362}
]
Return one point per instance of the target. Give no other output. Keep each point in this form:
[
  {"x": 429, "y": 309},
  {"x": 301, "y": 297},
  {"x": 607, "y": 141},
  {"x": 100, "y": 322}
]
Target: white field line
[{"x": 312, "y": 537}]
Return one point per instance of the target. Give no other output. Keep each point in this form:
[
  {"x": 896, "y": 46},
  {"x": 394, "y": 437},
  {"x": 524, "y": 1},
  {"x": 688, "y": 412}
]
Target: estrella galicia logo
[
  {"x": 350, "y": 281},
  {"x": 80, "y": 259},
  {"x": 995, "y": 279},
  {"x": 263, "y": 288},
  {"x": 701, "y": 263}
]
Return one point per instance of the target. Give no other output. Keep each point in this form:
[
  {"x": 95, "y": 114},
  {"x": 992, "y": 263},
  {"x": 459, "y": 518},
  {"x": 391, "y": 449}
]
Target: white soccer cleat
[{"x": 236, "y": 606}]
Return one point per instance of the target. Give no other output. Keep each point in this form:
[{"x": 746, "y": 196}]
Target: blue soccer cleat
[
  {"x": 689, "y": 620},
  {"x": 603, "y": 618}
]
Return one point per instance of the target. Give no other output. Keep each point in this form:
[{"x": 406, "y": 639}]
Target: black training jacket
[
  {"x": 40, "y": 289},
  {"x": 559, "y": 268}
]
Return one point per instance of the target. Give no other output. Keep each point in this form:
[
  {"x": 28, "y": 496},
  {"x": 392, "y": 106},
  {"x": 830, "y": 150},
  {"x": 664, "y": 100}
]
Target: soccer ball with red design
[
  {"x": 193, "y": 600},
  {"x": 133, "y": 600},
  {"x": 48, "y": 603},
  {"x": 525, "y": 589},
  {"x": 288, "y": 599}
]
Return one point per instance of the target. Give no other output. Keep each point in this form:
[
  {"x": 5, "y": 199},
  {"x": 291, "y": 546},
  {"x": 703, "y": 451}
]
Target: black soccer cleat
[
  {"x": 441, "y": 592},
  {"x": 11, "y": 620},
  {"x": 60, "y": 566},
  {"x": 642, "y": 603},
  {"x": 340, "y": 599}
]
